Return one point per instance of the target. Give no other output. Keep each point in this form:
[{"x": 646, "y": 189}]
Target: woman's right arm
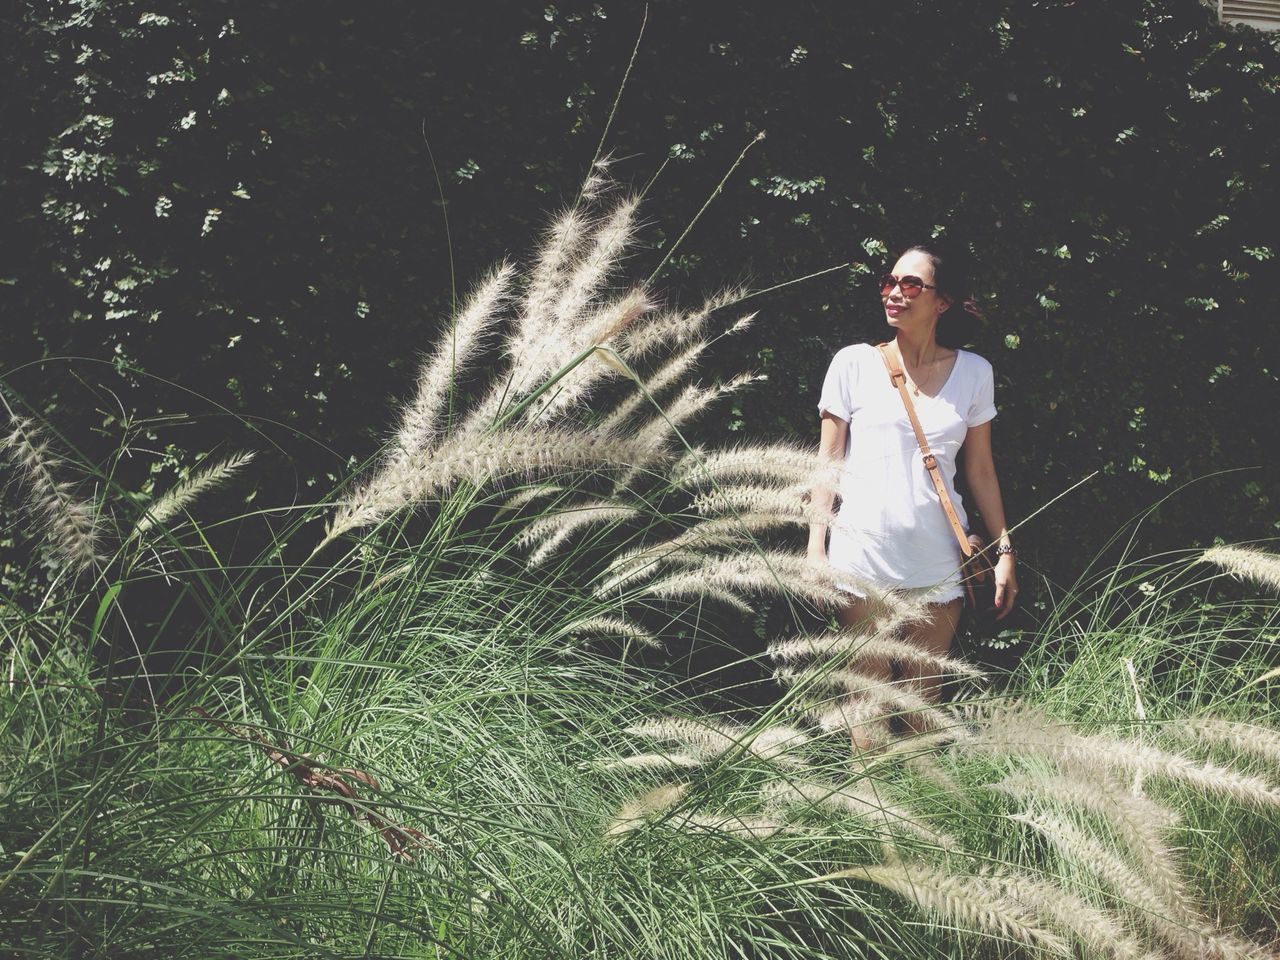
[{"x": 822, "y": 497}]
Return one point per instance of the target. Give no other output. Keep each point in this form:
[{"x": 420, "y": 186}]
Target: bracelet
[{"x": 1006, "y": 550}]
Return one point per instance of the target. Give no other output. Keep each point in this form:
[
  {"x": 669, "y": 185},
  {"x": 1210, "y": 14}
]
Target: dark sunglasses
[{"x": 911, "y": 286}]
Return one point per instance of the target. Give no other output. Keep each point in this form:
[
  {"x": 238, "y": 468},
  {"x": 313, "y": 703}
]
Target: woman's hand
[{"x": 1006, "y": 585}]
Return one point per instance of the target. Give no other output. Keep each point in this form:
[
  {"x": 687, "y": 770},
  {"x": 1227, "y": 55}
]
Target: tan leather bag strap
[{"x": 899, "y": 380}]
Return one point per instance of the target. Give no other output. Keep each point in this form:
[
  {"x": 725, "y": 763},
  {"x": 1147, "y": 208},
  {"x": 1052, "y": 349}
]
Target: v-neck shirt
[{"x": 891, "y": 530}]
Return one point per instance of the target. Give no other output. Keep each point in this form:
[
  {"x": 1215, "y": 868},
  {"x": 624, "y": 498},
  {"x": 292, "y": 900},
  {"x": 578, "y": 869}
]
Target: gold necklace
[{"x": 916, "y": 386}]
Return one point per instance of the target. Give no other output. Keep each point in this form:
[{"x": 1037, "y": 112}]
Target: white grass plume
[
  {"x": 480, "y": 459},
  {"x": 648, "y": 805},
  {"x": 1137, "y": 820},
  {"x": 71, "y": 525},
  {"x": 708, "y": 739},
  {"x": 1190, "y": 934},
  {"x": 547, "y": 533},
  {"x": 185, "y": 492},
  {"x": 851, "y": 646},
  {"x": 655, "y": 435},
  {"x": 675, "y": 327},
  {"x": 597, "y": 330},
  {"x": 789, "y": 501},
  {"x": 611, "y": 626},
  {"x": 527, "y": 495},
  {"x": 847, "y": 714},
  {"x": 1246, "y": 563},
  {"x": 762, "y": 572},
  {"x": 1101, "y": 932},
  {"x": 654, "y": 384},
  {"x": 421, "y": 419},
  {"x": 732, "y": 824},
  {"x": 893, "y": 696},
  {"x": 781, "y": 463},
  {"x": 1243, "y": 738},
  {"x": 861, "y": 802},
  {"x": 969, "y": 901},
  {"x": 651, "y": 761},
  {"x": 686, "y": 548},
  {"x": 590, "y": 270},
  {"x": 1023, "y": 729},
  {"x": 560, "y": 247}
]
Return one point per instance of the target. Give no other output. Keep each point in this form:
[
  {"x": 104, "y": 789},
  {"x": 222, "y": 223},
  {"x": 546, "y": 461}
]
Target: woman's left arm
[{"x": 980, "y": 474}]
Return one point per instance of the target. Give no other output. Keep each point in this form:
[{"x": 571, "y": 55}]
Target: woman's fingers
[{"x": 1006, "y": 596}]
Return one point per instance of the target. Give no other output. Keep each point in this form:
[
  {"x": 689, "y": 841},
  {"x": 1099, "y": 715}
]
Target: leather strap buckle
[
  {"x": 930, "y": 462},
  {"x": 897, "y": 375}
]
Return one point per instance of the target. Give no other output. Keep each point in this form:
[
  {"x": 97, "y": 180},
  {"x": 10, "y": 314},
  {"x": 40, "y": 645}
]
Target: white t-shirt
[{"x": 891, "y": 530}]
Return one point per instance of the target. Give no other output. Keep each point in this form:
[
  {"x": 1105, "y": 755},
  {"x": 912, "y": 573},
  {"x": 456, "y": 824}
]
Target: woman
[{"x": 892, "y": 532}]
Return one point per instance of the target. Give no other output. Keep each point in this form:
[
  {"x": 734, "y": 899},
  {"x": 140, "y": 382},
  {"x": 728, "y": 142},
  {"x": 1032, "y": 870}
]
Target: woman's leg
[
  {"x": 934, "y": 635},
  {"x": 867, "y": 728}
]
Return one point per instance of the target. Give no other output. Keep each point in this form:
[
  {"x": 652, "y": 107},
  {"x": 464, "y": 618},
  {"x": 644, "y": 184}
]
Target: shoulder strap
[{"x": 899, "y": 380}]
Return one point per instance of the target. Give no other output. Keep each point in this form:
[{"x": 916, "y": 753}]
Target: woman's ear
[{"x": 946, "y": 304}]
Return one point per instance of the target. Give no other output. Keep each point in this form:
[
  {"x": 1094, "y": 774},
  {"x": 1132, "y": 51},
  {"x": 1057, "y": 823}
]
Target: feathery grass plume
[
  {"x": 549, "y": 532},
  {"x": 1137, "y": 821},
  {"x": 687, "y": 548},
  {"x": 781, "y": 463},
  {"x": 675, "y": 327},
  {"x": 527, "y": 495},
  {"x": 479, "y": 459},
  {"x": 590, "y": 270},
  {"x": 71, "y": 525},
  {"x": 767, "y": 571},
  {"x": 560, "y": 246},
  {"x": 861, "y": 802},
  {"x": 598, "y": 180},
  {"x": 548, "y": 339},
  {"x": 1101, "y": 932},
  {"x": 744, "y": 322},
  {"x": 1192, "y": 935},
  {"x": 733, "y": 824},
  {"x": 1244, "y": 738},
  {"x": 551, "y": 329},
  {"x": 922, "y": 763},
  {"x": 612, "y": 626},
  {"x": 1024, "y": 729},
  {"x": 654, "y": 384},
  {"x": 598, "y": 330},
  {"x": 708, "y": 739},
  {"x": 183, "y": 493},
  {"x": 645, "y": 807},
  {"x": 654, "y": 435},
  {"x": 650, "y": 761},
  {"x": 972, "y": 901},
  {"x": 894, "y": 696},
  {"x": 851, "y": 646},
  {"x": 923, "y": 745},
  {"x": 847, "y": 714},
  {"x": 790, "y": 501},
  {"x": 1246, "y": 563},
  {"x": 421, "y": 420}
]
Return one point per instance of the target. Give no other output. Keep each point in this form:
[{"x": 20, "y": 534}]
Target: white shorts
[{"x": 942, "y": 593}]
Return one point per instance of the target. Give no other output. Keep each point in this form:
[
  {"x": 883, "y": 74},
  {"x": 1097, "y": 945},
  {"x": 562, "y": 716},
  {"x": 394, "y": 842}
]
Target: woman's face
[{"x": 922, "y": 309}]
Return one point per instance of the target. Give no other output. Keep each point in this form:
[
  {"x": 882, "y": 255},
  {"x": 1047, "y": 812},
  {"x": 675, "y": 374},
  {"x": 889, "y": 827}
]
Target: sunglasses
[{"x": 911, "y": 286}]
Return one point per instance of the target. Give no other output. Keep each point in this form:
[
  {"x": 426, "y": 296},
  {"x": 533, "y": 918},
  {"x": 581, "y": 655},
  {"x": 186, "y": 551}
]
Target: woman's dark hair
[{"x": 951, "y": 268}]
